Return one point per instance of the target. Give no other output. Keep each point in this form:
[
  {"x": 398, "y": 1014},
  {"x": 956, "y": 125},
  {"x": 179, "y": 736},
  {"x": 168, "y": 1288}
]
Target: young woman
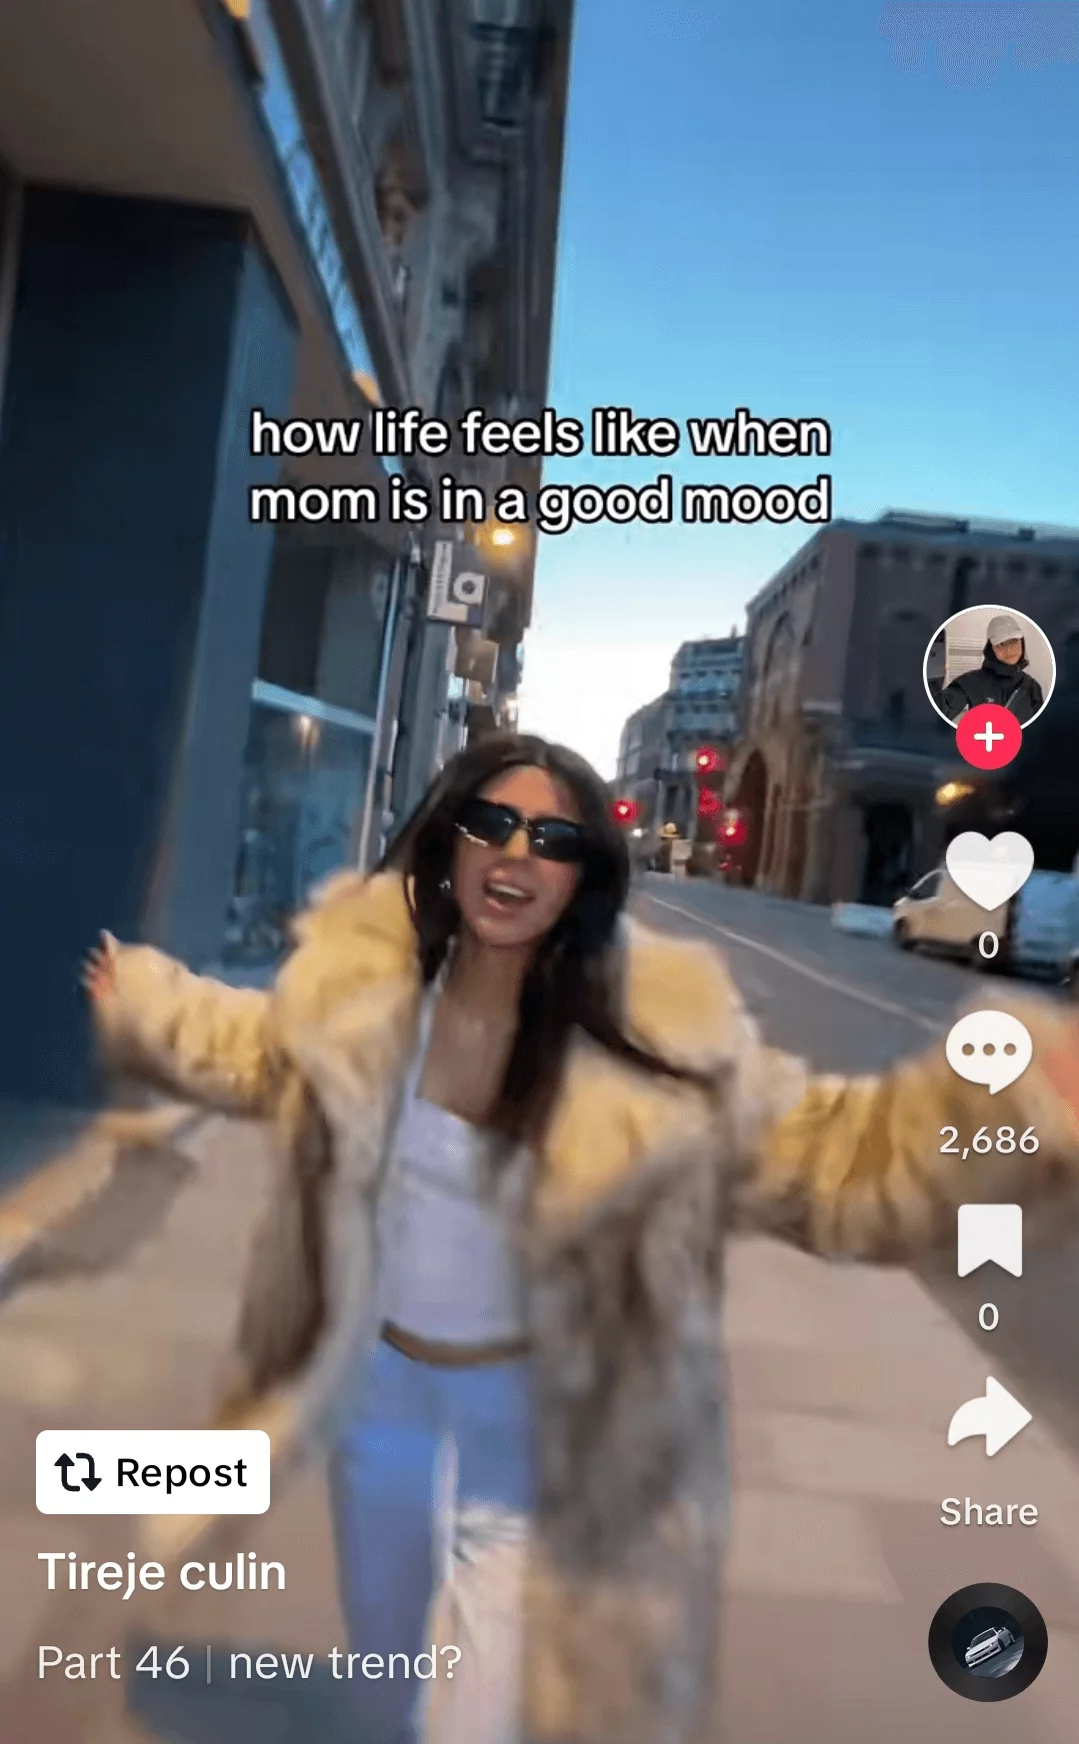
[
  {"x": 1002, "y": 677},
  {"x": 517, "y": 1126}
]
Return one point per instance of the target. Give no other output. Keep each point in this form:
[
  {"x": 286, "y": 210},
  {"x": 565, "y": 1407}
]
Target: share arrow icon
[{"x": 997, "y": 1416}]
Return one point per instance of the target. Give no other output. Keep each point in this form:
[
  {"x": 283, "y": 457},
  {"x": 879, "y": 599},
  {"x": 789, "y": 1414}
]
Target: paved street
[{"x": 844, "y": 1379}]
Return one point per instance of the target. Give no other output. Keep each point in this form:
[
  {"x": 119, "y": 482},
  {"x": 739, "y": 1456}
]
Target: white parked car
[
  {"x": 1037, "y": 930},
  {"x": 935, "y": 913},
  {"x": 988, "y": 1644}
]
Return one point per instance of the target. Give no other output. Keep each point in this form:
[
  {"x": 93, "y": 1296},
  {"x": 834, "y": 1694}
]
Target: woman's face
[
  {"x": 1009, "y": 652},
  {"x": 508, "y": 897}
]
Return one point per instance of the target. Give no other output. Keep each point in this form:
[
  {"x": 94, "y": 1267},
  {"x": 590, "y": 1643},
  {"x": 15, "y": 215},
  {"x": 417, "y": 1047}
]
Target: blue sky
[{"x": 784, "y": 207}]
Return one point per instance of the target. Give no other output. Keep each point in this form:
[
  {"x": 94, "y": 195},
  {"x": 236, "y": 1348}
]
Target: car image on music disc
[{"x": 987, "y": 1645}]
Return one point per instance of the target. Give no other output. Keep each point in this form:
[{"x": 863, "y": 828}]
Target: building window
[
  {"x": 962, "y": 575},
  {"x": 301, "y": 814},
  {"x": 780, "y": 644}
]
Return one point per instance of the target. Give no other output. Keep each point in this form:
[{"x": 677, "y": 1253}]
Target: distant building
[
  {"x": 640, "y": 755},
  {"x": 848, "y": 780},
  {"x": 659, "y": 741},
  {"x": 705, "y": 683}
]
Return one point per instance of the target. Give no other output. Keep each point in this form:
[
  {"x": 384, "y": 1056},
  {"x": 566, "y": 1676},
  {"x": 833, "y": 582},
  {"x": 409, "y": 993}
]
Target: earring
[{"x": 446, "y": 886}]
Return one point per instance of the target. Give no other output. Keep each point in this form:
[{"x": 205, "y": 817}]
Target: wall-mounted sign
[
  {"x": 458, "y": 585},
  {"x": 477, "y": 659}
]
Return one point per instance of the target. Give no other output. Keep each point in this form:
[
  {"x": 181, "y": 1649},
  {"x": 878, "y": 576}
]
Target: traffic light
[
  {"x": 708, "y": 803},
  {"x": 732, "y": 830},
  {"x": 624, "y": 812},
  {"x": 707, "y": 760}
]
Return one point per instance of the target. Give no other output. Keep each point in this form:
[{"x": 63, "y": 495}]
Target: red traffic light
[
  {"x": 708, "y": 803},
  {"x": 624, "y": 811},
  {"x": 732, "y": 830},
  {"x": 707, "y": 761}
]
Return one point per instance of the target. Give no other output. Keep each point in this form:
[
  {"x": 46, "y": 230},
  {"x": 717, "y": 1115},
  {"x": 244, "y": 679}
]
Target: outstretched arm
[
  {"x": 857, "y": 1166},
  {"x": 194, "y": 1036}
]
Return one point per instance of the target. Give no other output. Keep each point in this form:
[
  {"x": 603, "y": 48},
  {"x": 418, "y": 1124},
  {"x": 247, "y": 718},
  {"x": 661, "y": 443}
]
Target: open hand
[{"x": 99, "y": 969}]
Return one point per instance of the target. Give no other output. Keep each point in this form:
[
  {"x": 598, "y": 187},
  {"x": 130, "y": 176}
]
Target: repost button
[{"x": 153, "y": 1471}]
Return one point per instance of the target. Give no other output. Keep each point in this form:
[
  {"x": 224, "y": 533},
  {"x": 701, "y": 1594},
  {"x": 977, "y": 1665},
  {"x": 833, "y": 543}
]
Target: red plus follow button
[{"x": 988, "y": 736}]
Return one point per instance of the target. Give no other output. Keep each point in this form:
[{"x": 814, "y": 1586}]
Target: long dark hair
[{"x": 574, "y": 981}]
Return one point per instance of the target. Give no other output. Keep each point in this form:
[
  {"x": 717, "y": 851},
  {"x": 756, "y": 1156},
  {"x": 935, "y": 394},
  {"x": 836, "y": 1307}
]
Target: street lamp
[
  {"x": 494, "y": 536},
  {"x": 952, "y": 791}
]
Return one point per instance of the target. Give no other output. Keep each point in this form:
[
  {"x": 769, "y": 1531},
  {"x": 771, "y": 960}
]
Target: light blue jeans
[{"x": 432, "y": 1492}]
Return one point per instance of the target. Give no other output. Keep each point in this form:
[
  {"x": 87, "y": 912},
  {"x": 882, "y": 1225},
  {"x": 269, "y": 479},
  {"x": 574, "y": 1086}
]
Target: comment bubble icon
[{"x": 989, "y": 1047}]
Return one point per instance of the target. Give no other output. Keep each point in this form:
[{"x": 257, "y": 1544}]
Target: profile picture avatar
[{"x": 989, "y": 654}]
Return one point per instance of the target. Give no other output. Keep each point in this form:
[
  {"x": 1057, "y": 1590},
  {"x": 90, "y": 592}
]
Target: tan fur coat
[{"x": 640, "y": 1178}]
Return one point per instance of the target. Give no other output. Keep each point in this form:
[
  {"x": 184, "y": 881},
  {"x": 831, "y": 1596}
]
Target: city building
[
  {"x": 230, "y": 207},
  {"x": 702, "y": 715},
  {"x": 699, "y": 709},
  {"x": 848, "y": 780},
  {"x": 641, "y": 754},
  {"x": 502, "y": 110}
]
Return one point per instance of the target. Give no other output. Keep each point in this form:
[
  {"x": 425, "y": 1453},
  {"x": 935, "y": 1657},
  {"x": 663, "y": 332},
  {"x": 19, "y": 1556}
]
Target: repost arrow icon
[
  {"x": 65, "y": 1462},
  {"x": 91, "y": 1481},
  {"x": 997, "y": 1416}
]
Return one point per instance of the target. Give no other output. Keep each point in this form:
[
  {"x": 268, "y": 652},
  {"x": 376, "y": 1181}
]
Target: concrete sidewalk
[{"x": 844, "y": 1380}]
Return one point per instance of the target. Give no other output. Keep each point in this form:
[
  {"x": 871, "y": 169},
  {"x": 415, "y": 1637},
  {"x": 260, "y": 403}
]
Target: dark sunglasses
[{"x": 550, "y": 838}]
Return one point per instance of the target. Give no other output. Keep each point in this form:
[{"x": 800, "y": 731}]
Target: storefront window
[{"x": 304, "y": 783}]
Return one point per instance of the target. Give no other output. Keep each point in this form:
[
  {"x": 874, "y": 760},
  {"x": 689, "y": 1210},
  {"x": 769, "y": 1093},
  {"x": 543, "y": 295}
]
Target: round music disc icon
[
  {"x": 989, "y": 736},
  {"x": 988, "y": 1642}
]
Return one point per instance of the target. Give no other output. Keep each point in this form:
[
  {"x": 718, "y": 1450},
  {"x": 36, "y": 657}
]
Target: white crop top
[{"x": 448, "y": 1266}]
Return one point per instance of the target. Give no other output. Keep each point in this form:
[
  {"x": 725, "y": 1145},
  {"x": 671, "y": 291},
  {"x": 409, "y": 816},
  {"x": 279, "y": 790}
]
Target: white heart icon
[{"x": 990, "y": 872}]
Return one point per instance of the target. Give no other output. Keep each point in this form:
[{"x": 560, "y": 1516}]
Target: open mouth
[{"x": 504, "y": 895}]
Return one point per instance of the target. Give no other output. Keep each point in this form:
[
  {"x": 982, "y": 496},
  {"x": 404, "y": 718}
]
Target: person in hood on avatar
[
  {"x": 1001, "y": 678},
  {"x": 515, "y": 1126}
]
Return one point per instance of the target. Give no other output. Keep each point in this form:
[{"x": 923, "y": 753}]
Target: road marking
[{"x": 834, "y": 986}]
